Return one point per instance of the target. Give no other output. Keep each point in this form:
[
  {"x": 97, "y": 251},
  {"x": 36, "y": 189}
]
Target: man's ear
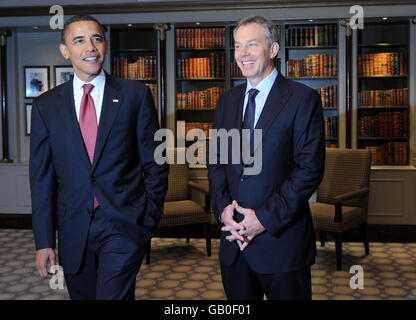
[
  {"x": 64, "y": 51},
  {"x": 274, "y": 50}
]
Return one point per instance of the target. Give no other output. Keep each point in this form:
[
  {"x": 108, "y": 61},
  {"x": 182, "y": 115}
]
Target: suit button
[{"x": 242, "y": 179}]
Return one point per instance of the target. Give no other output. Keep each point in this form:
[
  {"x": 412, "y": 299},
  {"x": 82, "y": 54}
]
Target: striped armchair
[
  {"x": 179, "y": 210},
  {"x": 342, "y": 198}
]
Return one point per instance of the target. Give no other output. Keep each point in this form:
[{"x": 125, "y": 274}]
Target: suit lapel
[
  {"x": 274, "y": 104},
  {"x": 69, "y": 118},
  {"x": 236, "y": 110},
  {"x": 112, "y": 101}
]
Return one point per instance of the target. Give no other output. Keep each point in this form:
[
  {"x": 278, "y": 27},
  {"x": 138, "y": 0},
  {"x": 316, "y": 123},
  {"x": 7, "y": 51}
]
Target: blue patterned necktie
[{"x": 248, "y": 122}]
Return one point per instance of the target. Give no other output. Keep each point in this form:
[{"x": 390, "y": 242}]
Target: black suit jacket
[
  {"x": 124, "y": 177},
  {"x": 293, "y": 155}
]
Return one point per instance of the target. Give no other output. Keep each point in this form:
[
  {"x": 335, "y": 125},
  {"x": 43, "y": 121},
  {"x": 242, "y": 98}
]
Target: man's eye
[
  {"x": 98, "y": 39},
  {"x": 237, "y": 46},
  {"x": 77, "y": 41}
]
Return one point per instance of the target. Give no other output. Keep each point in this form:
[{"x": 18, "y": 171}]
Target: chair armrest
[
  {"x": 345, "y": 196},
  {"x": 205, "y": 191},
  {"x": 353, "y": 194},
  {"x": 198, "y": 187}
]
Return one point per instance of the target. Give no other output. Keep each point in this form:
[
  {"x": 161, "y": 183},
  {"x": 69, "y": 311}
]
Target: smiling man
[
  {"x": 92, "y": 171},
  {"x": 268, "y": 243}
]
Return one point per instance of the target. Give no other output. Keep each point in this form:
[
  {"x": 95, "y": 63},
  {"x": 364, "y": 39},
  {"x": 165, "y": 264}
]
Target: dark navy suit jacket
[
  {"x": 293, "y": 156},
  {"x": 128, "y": 184}
]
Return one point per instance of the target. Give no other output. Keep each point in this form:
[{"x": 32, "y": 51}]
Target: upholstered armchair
[
  {"x": 342, "y": 198},
  {"x": 180, "y": 210}
]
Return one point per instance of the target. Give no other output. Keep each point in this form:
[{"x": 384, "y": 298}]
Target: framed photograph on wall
[
  {"x": 28, "y": 115},
  {"x": 63, "y": 74},
  {"x": 36, "y": 81}
]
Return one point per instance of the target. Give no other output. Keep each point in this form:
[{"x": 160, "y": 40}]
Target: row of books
[
  {"x": 183, "y": 127},
  {"x": 331, "y": 127},
  {"x": 312, "y": 36},
  {"x": 143, "y": 68},
  {"x": 314, "y": 65},
  {"x": 392, "y": 153},
  {"x": 197, "y": 38},
  {"x": 385, "y": 125},
  {"x": 153, "y": 90},
  {"x": 197, "y": 68},
  {"x": 384, "y": 98},
  {"x": 204, "y": 99},
  {"x": 235, "y": 71},
  {"x": 328, "y": 96},
  {"x": 383, "y": 64},
  {"x": 331, "y": 145}
]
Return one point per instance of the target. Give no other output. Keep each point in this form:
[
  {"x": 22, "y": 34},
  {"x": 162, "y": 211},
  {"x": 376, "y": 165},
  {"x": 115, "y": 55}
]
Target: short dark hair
[
  {"x": 80, "y": 17},
  {"x": 270, "y": 30}
]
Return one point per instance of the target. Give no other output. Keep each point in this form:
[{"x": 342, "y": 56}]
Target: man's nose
[{"x": 90, "y": 45}]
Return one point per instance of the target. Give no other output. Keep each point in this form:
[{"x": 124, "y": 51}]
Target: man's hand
[
  {"x": 227, "y": 217},
  {"x": 251, "y": 226},
  {"x": 42, "y": 258}
]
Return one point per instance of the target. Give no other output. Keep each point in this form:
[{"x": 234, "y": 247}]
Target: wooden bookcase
[
  {"x": 311, "y": 57},
  {"x": 134, "y": 55},
  {"x": 201, "y": 74},
  {"x": 383, "y": 99}
]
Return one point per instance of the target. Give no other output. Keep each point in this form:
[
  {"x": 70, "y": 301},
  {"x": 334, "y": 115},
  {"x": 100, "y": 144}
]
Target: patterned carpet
[{"x": 179, "y": 270}]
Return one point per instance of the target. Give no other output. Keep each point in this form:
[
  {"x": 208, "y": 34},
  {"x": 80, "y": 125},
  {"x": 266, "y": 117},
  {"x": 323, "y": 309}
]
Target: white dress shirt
[
  {"x": 264, "y": 88},
  {"x": 96, "y": 93}
]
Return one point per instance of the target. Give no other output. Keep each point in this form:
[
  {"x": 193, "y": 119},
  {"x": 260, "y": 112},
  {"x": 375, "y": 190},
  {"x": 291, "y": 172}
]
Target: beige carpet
[{"x": 183, "y": 271}]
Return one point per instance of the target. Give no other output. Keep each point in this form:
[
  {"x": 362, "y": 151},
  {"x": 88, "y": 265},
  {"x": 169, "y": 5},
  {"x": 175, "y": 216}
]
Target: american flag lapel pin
[{"x": 115, "y": 100}]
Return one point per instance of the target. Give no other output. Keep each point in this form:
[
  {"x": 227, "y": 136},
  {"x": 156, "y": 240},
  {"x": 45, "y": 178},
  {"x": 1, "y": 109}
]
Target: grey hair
[{"x": 270, "y": 29}]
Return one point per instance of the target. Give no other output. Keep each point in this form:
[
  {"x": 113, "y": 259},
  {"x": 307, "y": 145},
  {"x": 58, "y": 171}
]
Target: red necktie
[{"x": 88, "y": 124}]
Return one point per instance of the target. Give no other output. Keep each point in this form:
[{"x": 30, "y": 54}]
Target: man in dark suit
[
  {"x": 268, "y": 243},
  {"x": 93, "y": 173}
]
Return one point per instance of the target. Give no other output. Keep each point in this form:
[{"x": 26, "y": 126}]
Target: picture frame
[
  {"x": 63, "y": 74},
  {"x": 28, "y": 117},
  {"x": 36, "y": 80}
]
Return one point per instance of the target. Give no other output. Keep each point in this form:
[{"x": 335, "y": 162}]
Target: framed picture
[
  {"x": 28, "y": 117},
  {"x": 63, "y": 74},
  {"x": 36, "y": 81}
]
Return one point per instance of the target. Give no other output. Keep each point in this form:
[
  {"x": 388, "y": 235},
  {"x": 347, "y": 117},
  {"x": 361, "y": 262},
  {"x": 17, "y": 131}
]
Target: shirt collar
[
  {"x": 98, "y": 81},
  {"x": 266, "y": 84}
]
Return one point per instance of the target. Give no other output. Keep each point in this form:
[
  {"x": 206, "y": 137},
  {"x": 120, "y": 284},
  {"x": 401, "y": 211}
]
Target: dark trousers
[
  {"x": 110, "y": 264},
  {"x": 242, "y": 283}
]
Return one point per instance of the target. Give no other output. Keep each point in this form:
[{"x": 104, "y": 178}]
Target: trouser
[
  {"x": 243, "y": 283},
  {"x": 110, "y": 264}
]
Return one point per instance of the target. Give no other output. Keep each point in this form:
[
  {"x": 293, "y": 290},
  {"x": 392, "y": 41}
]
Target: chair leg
[
  {"x": 207, "y": 230},
  {"x": 148, "y": 248},
  {"x": 322, "y": 236},
  {"x": 365, "y": 238},
  {"x": 338, "y": 249}
]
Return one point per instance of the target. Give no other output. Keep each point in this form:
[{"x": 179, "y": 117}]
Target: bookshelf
[
  {"x": 134, "y": 55},
  {"x": 200, "y": 54},
  {"x": 383, "y": 95},
  {"x": 311, "y": 57}
]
